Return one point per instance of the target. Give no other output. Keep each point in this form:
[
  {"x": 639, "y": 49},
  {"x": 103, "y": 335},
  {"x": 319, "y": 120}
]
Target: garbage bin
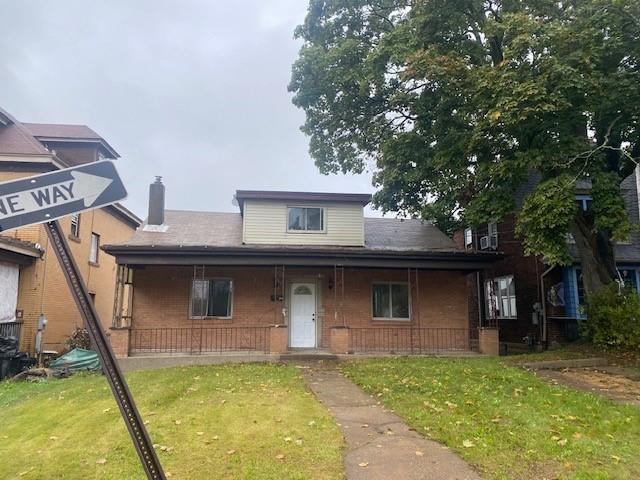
[{"x": 12, "y": 361}]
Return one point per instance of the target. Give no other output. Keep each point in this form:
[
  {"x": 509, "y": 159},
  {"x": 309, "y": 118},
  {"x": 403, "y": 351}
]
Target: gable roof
[
  {"x": 64, "y": 133},
  {"x": 15, "y": 139}
]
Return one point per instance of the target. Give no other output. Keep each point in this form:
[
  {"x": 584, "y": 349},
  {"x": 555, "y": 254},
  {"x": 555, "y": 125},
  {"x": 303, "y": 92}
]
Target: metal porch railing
[
  {"x": 199, "y": 340},
  {"x": 408, "y": 340}
]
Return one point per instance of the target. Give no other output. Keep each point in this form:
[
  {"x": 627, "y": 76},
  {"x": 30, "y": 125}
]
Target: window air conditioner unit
[{"x": 484, "y": 242}]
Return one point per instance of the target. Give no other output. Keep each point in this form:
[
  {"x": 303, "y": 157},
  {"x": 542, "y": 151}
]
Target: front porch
[{"x": 275, "y": 310}]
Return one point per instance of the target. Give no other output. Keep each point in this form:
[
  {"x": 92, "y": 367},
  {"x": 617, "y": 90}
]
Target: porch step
[{"x": 307, "y": 356}]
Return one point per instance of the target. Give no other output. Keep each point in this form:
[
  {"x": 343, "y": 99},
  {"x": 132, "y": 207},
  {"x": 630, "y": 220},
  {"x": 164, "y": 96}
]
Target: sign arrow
[{"x": 53, "y": 195}]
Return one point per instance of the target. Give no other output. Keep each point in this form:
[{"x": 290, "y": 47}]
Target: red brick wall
[
  {"x": 525, "y": 270},
  {"x": 161, "y": 297}
]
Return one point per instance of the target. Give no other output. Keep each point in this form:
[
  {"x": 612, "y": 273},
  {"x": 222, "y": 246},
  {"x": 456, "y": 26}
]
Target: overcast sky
[{"x": 195, "y": 91}]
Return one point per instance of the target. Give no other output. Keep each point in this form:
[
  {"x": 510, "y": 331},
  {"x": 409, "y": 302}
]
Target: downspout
[{"x": 544, "y": 306}]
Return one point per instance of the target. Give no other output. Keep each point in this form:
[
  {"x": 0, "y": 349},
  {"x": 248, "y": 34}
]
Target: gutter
[{"x": 146, "y": 255}]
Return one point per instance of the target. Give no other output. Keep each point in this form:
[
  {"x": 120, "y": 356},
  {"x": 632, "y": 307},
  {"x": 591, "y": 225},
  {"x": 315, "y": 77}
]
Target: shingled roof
[
  {"x": 15, "y": 139},
  {"x": 224, "y": 230}
]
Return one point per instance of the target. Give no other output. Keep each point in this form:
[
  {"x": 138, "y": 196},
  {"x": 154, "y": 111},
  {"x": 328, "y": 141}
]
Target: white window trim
[
  {"x": 391, "y": 319},
  {"x": 324, "y": 220},
  {"x": 468, "y": 242},
  {"x": 75, "y": 220},
  {"x": 97, "y": 250},
  {"x": 211, "y": 317},
  {"x": 498, "y": 298}
]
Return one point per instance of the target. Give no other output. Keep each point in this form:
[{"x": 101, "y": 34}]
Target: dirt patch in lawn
[{"x": 606, "y": 382}]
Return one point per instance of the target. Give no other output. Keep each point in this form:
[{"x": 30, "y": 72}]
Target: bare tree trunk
[{"x": 596, "y": 253}]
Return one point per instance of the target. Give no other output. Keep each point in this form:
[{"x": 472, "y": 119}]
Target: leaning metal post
[{"x": 110, "y": 366}]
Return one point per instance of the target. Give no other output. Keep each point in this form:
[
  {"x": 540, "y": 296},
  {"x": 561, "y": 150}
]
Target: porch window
[
  {"x": 305, "y": 219},
  {"x": 501, "y": 297},
  {"x": 390, "y": 301},
  {"x": 211, "y": 298}
]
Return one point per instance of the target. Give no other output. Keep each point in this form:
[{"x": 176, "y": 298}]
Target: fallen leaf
[
  {"x": 419, "y": 453},
  {"x": 178, "y": 422},
  {"x": 199, "y": 433},
  {"x": 562, "y": 442},
  {"x": 363, "y": 464},
  {"x": 468, "y": 444},
  {"x": 101, "y": 461},
  {"x": 287, "y": 439},
  {"x": 230, "y": 452},
  {"x": 106, "y": 410},
  {"x": 280, "y": 456}
]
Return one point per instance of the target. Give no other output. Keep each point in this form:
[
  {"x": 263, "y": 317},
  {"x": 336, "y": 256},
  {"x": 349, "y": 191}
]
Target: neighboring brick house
[
  {"x": 530, "y": 302},
  {"x": 31, "y": 149},
  {"x": 290, "y": 270}
]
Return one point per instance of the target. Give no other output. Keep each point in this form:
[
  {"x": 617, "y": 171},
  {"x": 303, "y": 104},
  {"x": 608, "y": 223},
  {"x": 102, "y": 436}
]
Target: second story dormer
[{"x": 302, "y": 218}]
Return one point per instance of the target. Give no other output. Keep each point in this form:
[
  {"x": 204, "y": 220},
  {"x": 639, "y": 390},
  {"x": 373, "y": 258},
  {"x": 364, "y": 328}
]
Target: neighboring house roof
[
  {"x": 27, "y": 139},
  {"x": 359, "y": 198},
  {"x": 53, "y": 132},
  {"x": 14, "y": 250},
  {"x": 15, "y": 139}
]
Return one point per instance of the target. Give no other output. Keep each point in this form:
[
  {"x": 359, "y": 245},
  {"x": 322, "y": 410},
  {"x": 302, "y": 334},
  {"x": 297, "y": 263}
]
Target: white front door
[{"x": 303, "y": 315}]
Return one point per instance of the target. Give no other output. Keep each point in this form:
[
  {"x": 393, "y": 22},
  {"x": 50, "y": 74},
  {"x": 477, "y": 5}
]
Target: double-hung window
[
  {"x": 75, "y": 225},
  {"x": 501, "y": 297},
  {"x": 95, "y": 247},
  {"x": 305, "y": 219},
  {"x": 211, "y": 298},
  {"x": 391, "y": 301}
]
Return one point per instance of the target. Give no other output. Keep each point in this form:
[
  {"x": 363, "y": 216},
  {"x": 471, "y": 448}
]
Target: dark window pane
[
  {"x": 314, "y": 219},
  {"x": 400, "y": 300},
  {"x": 381, "y": 301},
  {"x": 199, "y": 294},
  {"x": 219, "y": 298},
  {"x": 296, "y": 219},
  {"x": 629, "y": 279}
]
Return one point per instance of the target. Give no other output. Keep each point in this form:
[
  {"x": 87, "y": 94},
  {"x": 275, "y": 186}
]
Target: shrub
[
  {"x": 79, "y": 339},
  {"x": 613, "y": 318}
]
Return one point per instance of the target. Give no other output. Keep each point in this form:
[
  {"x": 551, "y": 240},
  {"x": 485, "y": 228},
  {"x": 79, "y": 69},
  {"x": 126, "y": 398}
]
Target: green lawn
[
  {"x": 506, "y": 421},
  {"x": 235, "y": 421}
]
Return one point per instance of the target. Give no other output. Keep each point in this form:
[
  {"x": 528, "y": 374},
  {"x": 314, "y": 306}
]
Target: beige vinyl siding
[{"x": 265, "y": 222}]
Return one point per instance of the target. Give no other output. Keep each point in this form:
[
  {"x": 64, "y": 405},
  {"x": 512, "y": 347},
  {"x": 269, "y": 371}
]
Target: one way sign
[{"x": 47, "y": 197}]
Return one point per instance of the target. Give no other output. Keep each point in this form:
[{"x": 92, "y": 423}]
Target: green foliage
[
  {"x": 544, "y": 219},
  {"x": 613, "y": 318},
  {"x": 453, "y": 103},
  {"x": 608, "y": 207},
  {"x": 216, "y": 421},
  {"x": 507, "y": 422}
]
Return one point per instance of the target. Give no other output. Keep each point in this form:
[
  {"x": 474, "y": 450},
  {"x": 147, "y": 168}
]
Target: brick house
[
  {"x": 290, "y": 270},
  {"x": 531, "y": 303},
  {"x": 35, "y": 283}
]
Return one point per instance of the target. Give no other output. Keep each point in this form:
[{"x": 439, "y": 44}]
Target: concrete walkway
[{"x": 379, "y": 444}]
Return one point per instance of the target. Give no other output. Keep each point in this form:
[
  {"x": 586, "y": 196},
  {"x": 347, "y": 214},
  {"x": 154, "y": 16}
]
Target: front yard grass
[
  {"x": 506, "y": 421},
  {"x": 233, "y": 421}
]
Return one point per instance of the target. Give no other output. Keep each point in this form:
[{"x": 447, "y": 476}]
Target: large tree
[{"x": 454, "y": 103}]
